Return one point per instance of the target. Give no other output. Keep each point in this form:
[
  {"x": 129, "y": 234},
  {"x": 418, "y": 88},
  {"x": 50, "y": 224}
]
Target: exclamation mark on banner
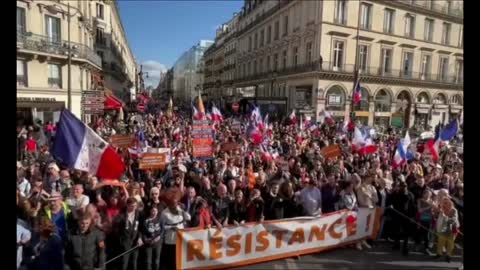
[{"x": 367, "y": 228}]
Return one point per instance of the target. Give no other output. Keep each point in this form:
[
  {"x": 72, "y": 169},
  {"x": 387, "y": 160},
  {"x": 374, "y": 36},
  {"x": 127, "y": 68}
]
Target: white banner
[{"x": 271, "y": 240}]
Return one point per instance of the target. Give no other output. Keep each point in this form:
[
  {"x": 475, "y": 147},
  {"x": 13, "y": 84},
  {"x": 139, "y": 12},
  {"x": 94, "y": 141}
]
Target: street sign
[
  {"x": 141, "y": 107},
  {"x": 93, "y": 102},
  {"x": 235, "y": 107}
]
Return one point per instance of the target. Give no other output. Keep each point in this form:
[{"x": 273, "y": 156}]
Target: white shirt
[
  {"x": 24, "y": 187},
  {"x": 24, "y": 235},
  {"x": 75, "y": 204},
  {"x": 172, "y": 223}
]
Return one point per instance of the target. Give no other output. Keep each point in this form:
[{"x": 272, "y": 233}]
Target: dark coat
[
  {"x": 50, "y": 256},
  {"x": 85, "y": 251},
  {"x": 126, "y": 234}
]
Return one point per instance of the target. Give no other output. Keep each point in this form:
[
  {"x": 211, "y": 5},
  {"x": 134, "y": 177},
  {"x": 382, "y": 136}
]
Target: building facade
[
  {"x": 302, "y": 55},
  {"x": 187, "y": 79},
  {"x": 98, "y": 45},
  {"x": 42, "y": 58},
  {"x": 118, "y": 62}
]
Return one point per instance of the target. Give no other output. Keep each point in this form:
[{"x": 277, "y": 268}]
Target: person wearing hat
[
  {"x": 53, "y": 181},
  {"x": 404, "y": 211},
  {"x": 58, "y": 212}
]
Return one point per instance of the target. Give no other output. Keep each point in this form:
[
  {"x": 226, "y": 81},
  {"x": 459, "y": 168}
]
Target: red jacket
[{"x": 204, "y": 218}]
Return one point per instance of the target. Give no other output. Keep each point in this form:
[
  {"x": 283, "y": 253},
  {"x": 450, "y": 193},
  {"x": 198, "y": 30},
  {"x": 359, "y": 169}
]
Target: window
[
  {"x": 269, "y": 34},
  {"x": 275, "y": 62},
  {"x": 407, "y": 64},
  {"x": 260, "y": 65},
  {"x": 425, "y": 69},
  {"x": 338, "y": 55},
  {"x": 255, "y": 41},
  {"x": 262, "y": 37},
  {"x": 250, "y": 43},
  {"x": 341, "y": 12},
  {"x": 52, "y": 28},
  {"x": 409, "y": 26},
  {"x": 443, "y": 72},
  {"x": 446, "y": 33},
  {"x": 366, "y": 12},
  {"x": 423, "y": 98},
  {"x": 428, "y": 29},
  {"x": 54, "y": 76},
  {"x": 459, "y": 71},
  {"x": 100, "y": 13},
  {"x": 284, "y": 59},
  {"x": 21, "y": 73},
  {"x": 285, "y": 26},
  {"x": 386, "y": 61},
  {"x": 249, "y": 68},
  {"x": 295, "y": 56},
  {"x": 308, "y": 56},
  {"x": 276, "y": 29},
  {"x": 255, "y": 67},
  {"x": 382, "y": 101},
  {"x": 389, "y": 21},
  {"x": 21, "y": 25},
  {"x": 363, "y": 58},
  {"x": 335, "y": 99},
  {"x": 100, "y": 37},
  {"x": 100, "y": 53}
]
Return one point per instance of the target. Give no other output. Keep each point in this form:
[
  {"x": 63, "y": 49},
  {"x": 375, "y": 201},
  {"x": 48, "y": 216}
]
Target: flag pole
[{"x": 355, "y": 71}]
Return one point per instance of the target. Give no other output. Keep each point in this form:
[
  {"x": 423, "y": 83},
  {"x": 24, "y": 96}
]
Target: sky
[{"x": 159, "y": 31}]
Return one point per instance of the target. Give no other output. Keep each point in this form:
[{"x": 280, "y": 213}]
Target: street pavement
[{"x": 380, "y": 257}]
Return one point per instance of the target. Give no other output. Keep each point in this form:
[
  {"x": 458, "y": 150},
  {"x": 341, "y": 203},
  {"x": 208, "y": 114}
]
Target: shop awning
[{"x": 112, "y": 103}]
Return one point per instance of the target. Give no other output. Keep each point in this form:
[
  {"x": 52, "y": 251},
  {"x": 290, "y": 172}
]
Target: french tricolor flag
[
  {"x": 433, "y": 146},
  {"x": 216, "y": 114},
  {"x": 402, "y": 154},
  {"x": 77, "y": 146},
  {"x": 358, "y": 92},
  {"x": 362, "y": 144},
  {"x": 293, "y": 118}
]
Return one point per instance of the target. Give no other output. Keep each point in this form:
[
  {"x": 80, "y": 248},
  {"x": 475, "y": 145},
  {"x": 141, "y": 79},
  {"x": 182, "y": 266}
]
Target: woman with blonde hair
[{"x": 447, "y": 228}]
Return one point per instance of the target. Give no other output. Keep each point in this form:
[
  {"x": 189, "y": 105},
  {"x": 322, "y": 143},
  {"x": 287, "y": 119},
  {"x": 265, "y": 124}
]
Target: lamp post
[{"x": 58, "y": 9}]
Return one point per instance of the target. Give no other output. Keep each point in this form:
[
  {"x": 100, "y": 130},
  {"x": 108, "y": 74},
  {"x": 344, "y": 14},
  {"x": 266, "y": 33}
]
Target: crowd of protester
[{"x": 68, "y": 219}]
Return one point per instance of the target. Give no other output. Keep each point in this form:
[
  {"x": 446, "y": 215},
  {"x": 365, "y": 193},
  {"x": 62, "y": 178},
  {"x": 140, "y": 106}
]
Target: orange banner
[
  {"x": 153, "y": 161},
  {"x": 121, "y": 140}
]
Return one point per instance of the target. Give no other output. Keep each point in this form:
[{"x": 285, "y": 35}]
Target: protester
[
  {"x": 85, "y": 248},
  {"x": 286, "y": 174},
  {"x": 447, "y": 227}
]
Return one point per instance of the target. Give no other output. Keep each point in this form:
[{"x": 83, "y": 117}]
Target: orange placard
[
  {"x": 331, "y": 151},
  {"x": 231, "y": 146},
  {"x": 121, "y": 140},
  {"x": 153, "y": 161}
]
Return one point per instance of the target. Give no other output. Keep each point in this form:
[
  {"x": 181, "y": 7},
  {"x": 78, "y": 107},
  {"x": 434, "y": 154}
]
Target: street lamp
[{"x": 58, "y": 9}]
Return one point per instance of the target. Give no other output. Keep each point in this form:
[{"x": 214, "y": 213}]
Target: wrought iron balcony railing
[
  {"x": 349, "y": 69},
  {"x": 45, "y": 44}
]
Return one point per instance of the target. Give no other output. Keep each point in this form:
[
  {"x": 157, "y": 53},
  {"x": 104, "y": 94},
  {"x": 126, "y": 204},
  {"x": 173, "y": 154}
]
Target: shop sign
[{"x": 35, "y": 99}]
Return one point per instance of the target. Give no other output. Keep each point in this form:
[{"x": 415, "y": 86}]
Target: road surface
[{"x": 379, "y": 257}]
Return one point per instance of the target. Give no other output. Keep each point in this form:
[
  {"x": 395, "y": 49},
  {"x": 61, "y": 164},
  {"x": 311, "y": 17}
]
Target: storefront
[
  {"x": 455, "y": 112},
  {"x": 422, "y": 114},
  {"x": 362, "y": 117},
  {"x": 43, "y": 109},
  {"x": 439, "y": 114}
]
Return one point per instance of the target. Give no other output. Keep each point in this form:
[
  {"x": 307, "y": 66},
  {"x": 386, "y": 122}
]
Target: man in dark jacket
[
  {"x": 85, "y": 248},
  {"x": 404, "y": 209},
  {"x": 127, "y": 235}
]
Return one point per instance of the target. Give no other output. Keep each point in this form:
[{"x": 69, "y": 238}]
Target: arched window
[
  {"x": 383, "y": 101},
  {"x": 335, "y": 99},
  {"x": 422, "y": 98},
  {"x": 363, "y": 104},
  {"x": 440, "y": 99},
  {"x": 457, "y": 99}
]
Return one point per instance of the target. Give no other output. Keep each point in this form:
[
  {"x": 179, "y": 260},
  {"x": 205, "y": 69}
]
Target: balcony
[
  {"x": 44, "y": 44},
  {"x": 426, "y": 6},
  {"x": 348, "y": 69},
  {"x": 55, "y": 82}
]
